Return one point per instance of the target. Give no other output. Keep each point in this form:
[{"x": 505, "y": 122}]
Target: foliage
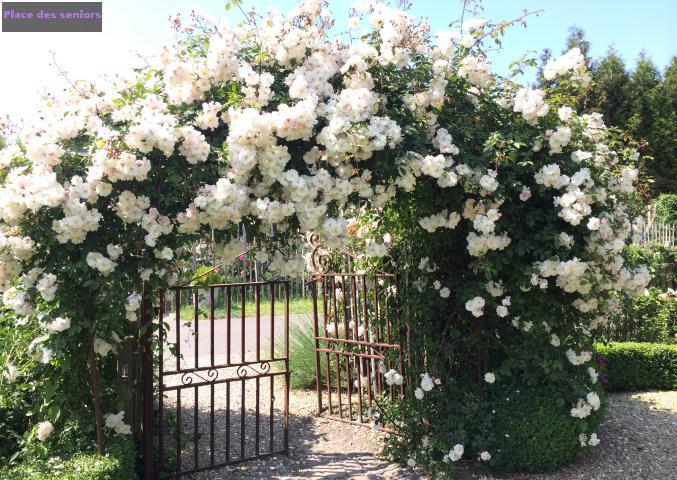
[
  {"x": 651, "y": 317},
  {"x": 207, "y": 275},
  {"x": 542, "y": 439},
  {"x": 640, "y": 366},
  {"x": 118, "y": 463},
  {"x": 501, "y": 208},
  {"x": 302, "y": 356},
  {"x": 666, "y": 208},
  {"x": 46, "y": 389},
  {"x": 661, "y": 261},
  {"x": 641, "y": 102}
]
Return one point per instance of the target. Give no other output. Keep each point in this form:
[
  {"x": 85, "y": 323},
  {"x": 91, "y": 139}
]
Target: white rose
[{"x": 44, "y": 430}]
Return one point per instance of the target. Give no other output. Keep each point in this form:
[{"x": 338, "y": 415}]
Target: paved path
[{"x": 201, "y": 332}]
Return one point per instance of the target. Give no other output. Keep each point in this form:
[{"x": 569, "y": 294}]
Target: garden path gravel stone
[{"x": 638, "y": 442}]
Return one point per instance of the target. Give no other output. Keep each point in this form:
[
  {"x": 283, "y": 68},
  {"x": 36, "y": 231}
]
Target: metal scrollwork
[
  {"x": 188, "y": 377},
  {"x": 320, "y": 258},
  {"x": 244, "y": 370}
]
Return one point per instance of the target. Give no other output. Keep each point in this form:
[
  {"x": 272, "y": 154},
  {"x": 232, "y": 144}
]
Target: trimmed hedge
[
  {"x": 535, "y": 431},
  {"x": 640, "y": 366},
  {"x": 119, "y": 464}
]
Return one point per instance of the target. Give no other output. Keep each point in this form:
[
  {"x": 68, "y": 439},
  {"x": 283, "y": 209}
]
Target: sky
[{"x": 131, "y": 26}]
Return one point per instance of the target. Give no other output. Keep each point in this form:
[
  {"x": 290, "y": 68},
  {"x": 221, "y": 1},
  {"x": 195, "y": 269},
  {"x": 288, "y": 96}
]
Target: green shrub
[
  {"x": 649, "y": 318},
  {"x": 661, "y": 261},
  {"x": 118, "y": 464},
  {"x": 535, "y": 431},
  {"x": 640, "y": 366},
  {"x": 302, "y": 355},
  {"x": 207, "y": 275},
  {"x": 666, "y": 208}
]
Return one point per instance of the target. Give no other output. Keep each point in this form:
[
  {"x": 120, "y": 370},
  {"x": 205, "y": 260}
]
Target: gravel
[{"x": 638, "y": 441}]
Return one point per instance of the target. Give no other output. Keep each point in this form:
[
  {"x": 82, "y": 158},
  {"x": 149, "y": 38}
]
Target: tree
[
  {"x": 576, "y": 39},
  {"x": 608, "y": 93},
  {"x": 640, "y": 102},
  {"x": 661, "y": 134}
]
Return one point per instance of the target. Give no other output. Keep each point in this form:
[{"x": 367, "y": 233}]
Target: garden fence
[{"x": 661, "y": 233}]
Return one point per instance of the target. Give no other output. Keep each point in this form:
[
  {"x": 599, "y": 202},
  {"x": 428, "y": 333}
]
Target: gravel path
[
  {"x": 318, "y": 448},
  {"x": 638, "y": 442}
]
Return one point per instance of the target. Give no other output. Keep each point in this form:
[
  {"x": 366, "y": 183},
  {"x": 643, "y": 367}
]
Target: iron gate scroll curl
[
  {"x": 222, "y": 391},
  {"x": 357, "y": 339}
]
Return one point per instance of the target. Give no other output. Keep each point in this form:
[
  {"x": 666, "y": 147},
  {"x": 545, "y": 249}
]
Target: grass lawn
[{"x": 297, "y": 306}]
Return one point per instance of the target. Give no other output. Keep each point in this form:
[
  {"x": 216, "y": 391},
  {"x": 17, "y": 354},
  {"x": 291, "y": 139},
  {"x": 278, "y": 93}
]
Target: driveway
[{"x": 200, "y": 334}]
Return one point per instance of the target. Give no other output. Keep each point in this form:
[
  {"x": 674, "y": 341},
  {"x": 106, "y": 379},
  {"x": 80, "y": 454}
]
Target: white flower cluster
[
  {"x": 123, "y": 167},
  {"x": 455, "y": 454},
  {"x": 572, "y": 62},
  {"x": 443, "y": 219},
  {"x": 475, "y": 306},
  {"x": 476, "y": 69},
  {"x": 393, "y": 377},
  {"x": 427, "y": 384},
  {"x": 102, "y": 347},
  {"x": 130, "y": 208},
  {"x": 194, "y": 145},
  {"x": 585, "y": 406},
  {"x": 10, "y": 372},
  {"x": 375, "y": 249},
  {"x": 78, "y": 220},
  {"x": 17, "y": 300},
  {"x": 443, "y": 142},
  {"x": 559, "y": 139},
  {"x": 570, "y": 274},
  {"x": 100, "y": 262},
  {"x": 132, "y": 306},
  {"x": 531, "y": 104},
  {"x": 115, "y": 421},
  {"x": 59, "y": 324},
  {"x": 156, "y": 225},
  {"x": 578, "y": 359},
  {"x": 44, "y": 430},
  {"x": 47, "y": 286}
]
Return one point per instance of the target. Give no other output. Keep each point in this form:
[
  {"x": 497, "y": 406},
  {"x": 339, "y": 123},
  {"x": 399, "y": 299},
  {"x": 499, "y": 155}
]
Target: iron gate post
[
  {"x": 316, "y": 333},
  {"x": 146, "y": 328}
]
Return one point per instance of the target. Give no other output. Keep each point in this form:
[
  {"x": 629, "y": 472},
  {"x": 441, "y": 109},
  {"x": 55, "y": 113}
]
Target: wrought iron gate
[
  {"x": 222, "y": 389},
  {"x": 357, "y": 340}
]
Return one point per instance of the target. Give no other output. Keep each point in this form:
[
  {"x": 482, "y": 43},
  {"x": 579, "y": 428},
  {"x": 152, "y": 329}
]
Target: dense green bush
[
  {"x": 661, "y": 261},
  {"x": 651, "y": 317},
  {"x": 640, "y": 366},
  {"x": 534, "y": 431},
  {"x": 117, "y": 464},
  {"x": 666, "y": 208}
]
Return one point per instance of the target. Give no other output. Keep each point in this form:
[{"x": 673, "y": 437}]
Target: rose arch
[{"x": 499, "y": 206}]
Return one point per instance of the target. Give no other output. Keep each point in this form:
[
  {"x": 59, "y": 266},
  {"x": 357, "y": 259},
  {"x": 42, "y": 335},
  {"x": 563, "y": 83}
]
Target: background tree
[{"x": 640, "y": 102}]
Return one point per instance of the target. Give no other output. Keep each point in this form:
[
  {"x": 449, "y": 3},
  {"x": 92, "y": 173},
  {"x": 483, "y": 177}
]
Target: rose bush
[{"x": 499, "y": 206}]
